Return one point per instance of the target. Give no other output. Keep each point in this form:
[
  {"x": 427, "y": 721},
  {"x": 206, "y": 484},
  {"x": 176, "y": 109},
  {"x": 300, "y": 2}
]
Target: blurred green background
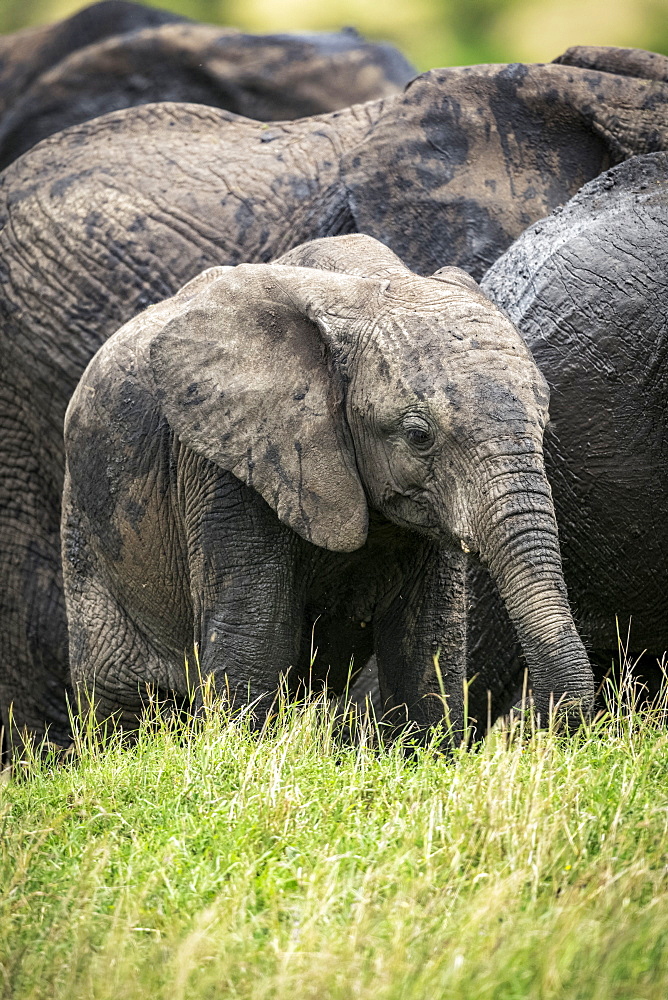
[{"x": 430, "y": 32}]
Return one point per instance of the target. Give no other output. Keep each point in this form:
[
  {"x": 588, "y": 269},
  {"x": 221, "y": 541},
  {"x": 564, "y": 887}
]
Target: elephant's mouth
[{"x": 414, "y": 509}]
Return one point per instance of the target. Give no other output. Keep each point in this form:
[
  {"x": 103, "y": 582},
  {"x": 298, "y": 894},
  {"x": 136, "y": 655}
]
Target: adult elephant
[
  {"x": 115, "y": 214},
  {"x": 281, "y": 455},
  {"x": 266, "y": 77},
  {"x": 588, "y": 290},
  {"x": 25, "y": 54}
]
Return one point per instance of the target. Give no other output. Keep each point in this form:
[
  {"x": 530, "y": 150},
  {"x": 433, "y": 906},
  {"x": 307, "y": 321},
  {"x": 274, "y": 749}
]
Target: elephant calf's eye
[{"x": 418, "y": 432}]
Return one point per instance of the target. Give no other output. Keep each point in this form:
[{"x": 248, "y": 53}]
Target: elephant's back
[
  {"x": 81, "y": 238},
  {"x": 263, "y": 77},
  {"x": 588, "y": 288},
  {"x": 609, "y": 211},
  {"x": 115, "y": 214}
]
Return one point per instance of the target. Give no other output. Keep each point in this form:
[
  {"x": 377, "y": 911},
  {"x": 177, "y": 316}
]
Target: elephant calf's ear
[{"x": 242, "y": 372}]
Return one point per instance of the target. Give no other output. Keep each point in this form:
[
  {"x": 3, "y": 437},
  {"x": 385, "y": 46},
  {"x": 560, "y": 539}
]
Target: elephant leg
[
  {"x": 421, "y": 646},
  {"x": 117, "y": 669},
  {"x": 248, "y": 653},
  {"x": 34, "y": 672},
  {"x": 246, "y": 587},
  {"x": 250, "y": 629},
  {"x": 35, "y": 688},
  {"x": 496, "y": 667}
]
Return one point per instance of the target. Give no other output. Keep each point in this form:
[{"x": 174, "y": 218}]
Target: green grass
[{"x": 213, "y": 863}]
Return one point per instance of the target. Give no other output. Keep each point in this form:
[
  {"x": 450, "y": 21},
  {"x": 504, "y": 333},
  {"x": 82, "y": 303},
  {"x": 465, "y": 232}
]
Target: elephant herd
[{"x": 294, "y": 419}]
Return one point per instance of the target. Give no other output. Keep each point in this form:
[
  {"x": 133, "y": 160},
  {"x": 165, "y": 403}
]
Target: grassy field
[{"x": 211, "y": 863}]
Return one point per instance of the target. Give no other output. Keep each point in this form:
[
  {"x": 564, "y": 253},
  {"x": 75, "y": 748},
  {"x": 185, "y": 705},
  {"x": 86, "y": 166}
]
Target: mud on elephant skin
[
  {"x": 588, "y": 291},
  {"x": 283, "y": 451},
  {"x": 265, "y": 77},
  {"x": 110, "y": 216}
]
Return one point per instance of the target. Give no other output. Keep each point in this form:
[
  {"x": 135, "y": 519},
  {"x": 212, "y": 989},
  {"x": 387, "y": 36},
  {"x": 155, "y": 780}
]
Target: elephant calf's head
[
  {"x": 447, "y": 410},
  {"x": 444, "y": 396}
]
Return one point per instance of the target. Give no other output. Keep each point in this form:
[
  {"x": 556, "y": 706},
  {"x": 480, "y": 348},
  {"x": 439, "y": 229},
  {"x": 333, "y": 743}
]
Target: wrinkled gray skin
[
  {"x": 123, "y": 55},
  {"x": 624, "y": 62},
  {"x": 108, "y": 217},
  {"x": 588, "y": 291},
  {"x": 284, "y": 455}
]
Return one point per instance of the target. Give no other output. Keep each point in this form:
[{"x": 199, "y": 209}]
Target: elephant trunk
[{"x": 518, "y": 542}]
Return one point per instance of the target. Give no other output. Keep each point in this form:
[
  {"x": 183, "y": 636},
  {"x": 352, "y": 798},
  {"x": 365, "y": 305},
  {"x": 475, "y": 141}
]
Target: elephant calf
[{"x": 317, "y": 445}]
